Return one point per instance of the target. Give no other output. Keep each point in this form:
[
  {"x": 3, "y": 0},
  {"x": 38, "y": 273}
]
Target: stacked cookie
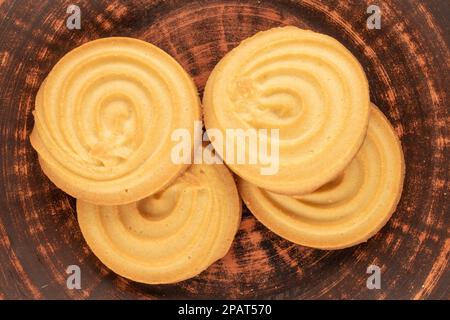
[
  {"x": 104, "y": 116},
  {"x": 170, "y": 236},
  {"x": 106, "y": 113},
  {"x": 103, "y": 123},
  {"x": 341, "y": 165}
]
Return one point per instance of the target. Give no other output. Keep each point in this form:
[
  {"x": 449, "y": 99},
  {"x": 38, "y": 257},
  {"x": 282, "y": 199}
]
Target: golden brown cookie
[
  {"x": 170, "y": 236},
  {"x": 307, "y": 85},
  {"x": 346, "y": 211},
  {"x": 104, "y": 118}
]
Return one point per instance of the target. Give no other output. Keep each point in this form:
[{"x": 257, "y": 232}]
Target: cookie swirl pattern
[
  {"x": 307, "y": 85},
  {"x": 346, "y": 211},
  {"x": 104, "y": 116},
  {"x": 170, "y": 236}
]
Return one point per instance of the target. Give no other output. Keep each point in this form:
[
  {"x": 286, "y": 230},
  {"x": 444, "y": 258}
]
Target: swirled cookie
[
  {"x": 307, "y": 85},
  {"x": 346, "y": 211},
  {"x": 170, "y": 236},
  {"x": 104, "y": 118}
]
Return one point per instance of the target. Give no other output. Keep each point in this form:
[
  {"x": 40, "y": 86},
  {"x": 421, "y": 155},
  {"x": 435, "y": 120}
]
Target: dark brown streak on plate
[{"x": 407, "y": 63}]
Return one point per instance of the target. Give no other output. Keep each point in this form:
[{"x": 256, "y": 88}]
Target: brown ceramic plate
[{"x": 407, "y": 62}]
